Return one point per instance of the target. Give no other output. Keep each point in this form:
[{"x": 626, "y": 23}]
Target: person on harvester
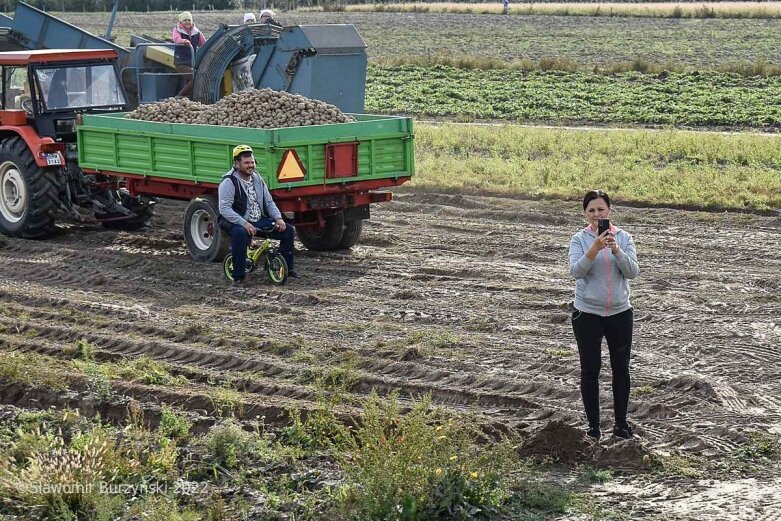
[{"x": 187, "y": 38}]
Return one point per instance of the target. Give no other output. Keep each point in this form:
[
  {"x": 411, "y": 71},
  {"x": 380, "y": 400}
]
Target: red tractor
[{"x": 43, "y": 92}]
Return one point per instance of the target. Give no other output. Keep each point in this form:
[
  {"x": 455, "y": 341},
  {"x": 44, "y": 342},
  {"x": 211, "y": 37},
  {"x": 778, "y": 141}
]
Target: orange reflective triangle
[{"x": 290, "y": 168}]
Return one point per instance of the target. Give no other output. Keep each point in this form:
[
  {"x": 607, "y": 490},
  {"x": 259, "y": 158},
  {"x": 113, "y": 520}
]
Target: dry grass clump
[{"x": 258, "y": 108}]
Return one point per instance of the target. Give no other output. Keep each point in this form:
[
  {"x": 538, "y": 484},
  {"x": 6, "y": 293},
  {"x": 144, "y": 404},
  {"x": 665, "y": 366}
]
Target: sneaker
[
  {"x": 626, "y": 431},
  {"x": 293, "y": 274},
  {"x": 237, "y": 284},
  {"x": 594, "y": 432}
]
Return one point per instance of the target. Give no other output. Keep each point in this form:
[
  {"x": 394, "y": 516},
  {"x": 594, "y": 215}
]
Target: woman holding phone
[{"x": 602, "y": 259}]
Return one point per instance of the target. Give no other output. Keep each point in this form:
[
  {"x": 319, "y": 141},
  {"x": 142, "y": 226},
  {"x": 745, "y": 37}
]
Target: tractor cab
[{"x": 46, "y": 89}]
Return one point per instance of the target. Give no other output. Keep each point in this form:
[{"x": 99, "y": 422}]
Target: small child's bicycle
[{"x": 274, "y": 263}]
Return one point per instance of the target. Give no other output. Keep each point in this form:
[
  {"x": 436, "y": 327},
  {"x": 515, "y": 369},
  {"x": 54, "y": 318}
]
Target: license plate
[
  {"x": 53, "y": 159},
  {"x": 331, "y": 201}
]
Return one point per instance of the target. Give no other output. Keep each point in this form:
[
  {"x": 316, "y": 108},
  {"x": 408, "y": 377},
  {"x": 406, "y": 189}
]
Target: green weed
[
  {"x": 226, "y": 400},
  {"x": 763, "y": 448},
  {"x": 643, "y": 390},
  {"x": 173, "y": 425},
  {"x": 595, "y": 475},
  {"x": 146, "y": 370},
  {"x": 560, "y": 353},
  {"x": 422, "y": 466},
  {"x": 541, "y": 497},
  {"x": 677, "y": 465},
  {"x": 229, "y": 446},
  {"x": 33, "y": 369},
  {"x": 163, "y": 507}
]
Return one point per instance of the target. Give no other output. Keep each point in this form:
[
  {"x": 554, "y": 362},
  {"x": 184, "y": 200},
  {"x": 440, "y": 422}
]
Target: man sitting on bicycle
[{"x": 246, "y": 206}]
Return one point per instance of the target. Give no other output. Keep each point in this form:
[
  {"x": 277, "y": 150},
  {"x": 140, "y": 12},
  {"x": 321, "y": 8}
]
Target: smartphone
[{"x": 603, "y": 226}]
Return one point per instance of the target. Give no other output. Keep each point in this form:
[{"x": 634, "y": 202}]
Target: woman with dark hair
[{"x": 602, "y": 258}]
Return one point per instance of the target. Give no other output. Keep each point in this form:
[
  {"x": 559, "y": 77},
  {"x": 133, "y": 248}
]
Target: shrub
[
  {"x": 173, "y": 425},
  {"x": 230, "y": 446},
  {"x": 419, "y": 466}
]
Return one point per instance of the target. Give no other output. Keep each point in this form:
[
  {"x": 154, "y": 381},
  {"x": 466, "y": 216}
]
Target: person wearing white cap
[
  {"x": 249, "y": 18},
  {"x": 267, "y": 17},
  {"x": 187, "y": 38}
]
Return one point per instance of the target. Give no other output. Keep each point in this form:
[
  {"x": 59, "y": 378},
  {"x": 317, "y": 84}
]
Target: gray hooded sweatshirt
[
  {"x": 602, "y": 285},
  {"x": 226, "y": 194}
]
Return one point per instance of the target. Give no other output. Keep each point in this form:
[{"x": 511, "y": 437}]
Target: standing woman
[
  {"x": 187, "y": 38},
  {"x": 602, "y": 265}
]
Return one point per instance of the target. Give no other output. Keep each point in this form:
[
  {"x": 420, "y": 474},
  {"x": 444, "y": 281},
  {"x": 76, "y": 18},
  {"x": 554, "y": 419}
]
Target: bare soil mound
[{"x": 558, "y": 441}]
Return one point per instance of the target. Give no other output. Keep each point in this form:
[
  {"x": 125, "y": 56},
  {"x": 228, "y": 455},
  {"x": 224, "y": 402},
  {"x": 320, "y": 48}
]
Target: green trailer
[{"x": 323, "y": 177}]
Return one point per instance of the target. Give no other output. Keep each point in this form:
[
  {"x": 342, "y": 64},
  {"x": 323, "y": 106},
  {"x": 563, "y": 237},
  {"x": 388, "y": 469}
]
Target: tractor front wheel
[{"x": 28, "y": 193}]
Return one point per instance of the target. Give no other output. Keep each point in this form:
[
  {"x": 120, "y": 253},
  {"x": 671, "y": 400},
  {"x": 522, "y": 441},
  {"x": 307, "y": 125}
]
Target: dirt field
[
  {"x": 586, "y": 40},
  {"x": 463, "y": 297}
]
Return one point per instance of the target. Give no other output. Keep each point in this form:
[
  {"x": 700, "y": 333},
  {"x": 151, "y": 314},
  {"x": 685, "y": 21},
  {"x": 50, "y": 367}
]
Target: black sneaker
[
  {"x": 625, "y": 431},
  {"x": 594, "y": 432},
  {"x": 293, "y": 274},
  {"x": 237, "y": 285}
]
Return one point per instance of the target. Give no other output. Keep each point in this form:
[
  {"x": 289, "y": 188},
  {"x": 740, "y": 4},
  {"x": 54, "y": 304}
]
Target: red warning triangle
[{"x": 290, "y": 168}]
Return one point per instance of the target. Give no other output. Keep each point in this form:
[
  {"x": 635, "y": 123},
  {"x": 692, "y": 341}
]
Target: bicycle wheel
[
  {"x": 276, "y": 267},
  {"x": 227, "y": 266}
]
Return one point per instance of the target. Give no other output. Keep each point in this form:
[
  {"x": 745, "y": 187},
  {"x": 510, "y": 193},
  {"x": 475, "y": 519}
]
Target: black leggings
[{"x": 617, "y": 330}]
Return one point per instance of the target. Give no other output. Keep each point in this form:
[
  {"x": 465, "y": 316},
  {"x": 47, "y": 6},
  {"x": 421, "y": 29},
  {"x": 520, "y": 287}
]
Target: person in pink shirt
[{"x": 187, "y": 38}]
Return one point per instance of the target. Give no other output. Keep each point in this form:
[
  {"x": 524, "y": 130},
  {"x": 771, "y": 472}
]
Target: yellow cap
[{"x": 241, "y": 149}]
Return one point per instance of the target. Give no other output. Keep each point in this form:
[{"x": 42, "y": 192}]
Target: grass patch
[
  {"x": 146, "y": 370},
  {"x": 666, "y": 168},
  {"x": 560, "y": 353},
  {"x": 482, "y": 325},
  {"x": 537, "y": 500},
  {"x": 677, "y": 465},
  {"x": 227, "y": 401},
  {"x": 34, "y": 369},
  {"x": 643, "y": 390},
  {"x": 595, "y": 475}
]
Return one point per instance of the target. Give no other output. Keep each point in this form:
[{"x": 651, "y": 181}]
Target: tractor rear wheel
[
  {"x": 206, "y": 241},
  {"x": 28, "y": 193}
]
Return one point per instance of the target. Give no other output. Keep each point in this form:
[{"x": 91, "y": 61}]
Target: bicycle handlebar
[{"x": 267, "y": 230}]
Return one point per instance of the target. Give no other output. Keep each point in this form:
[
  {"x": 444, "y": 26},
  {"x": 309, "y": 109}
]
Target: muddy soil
[{"x": 464, "y": 297}]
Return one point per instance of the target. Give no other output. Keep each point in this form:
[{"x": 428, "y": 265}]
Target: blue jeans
[{"x": 240, "y": 239}]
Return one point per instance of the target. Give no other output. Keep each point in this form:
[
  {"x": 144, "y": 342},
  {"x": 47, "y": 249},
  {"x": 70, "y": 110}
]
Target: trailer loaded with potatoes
[
  {"x": 323, "y": 177},
  {"x": 70, "y": 150}
]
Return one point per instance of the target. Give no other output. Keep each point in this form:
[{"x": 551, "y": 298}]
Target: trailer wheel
[
  {"x": 28, "y": 193},
  {"x": 206, "y": 241},
  {"x": 352, "y": 232},
  {"x": 326, "y": 238}
]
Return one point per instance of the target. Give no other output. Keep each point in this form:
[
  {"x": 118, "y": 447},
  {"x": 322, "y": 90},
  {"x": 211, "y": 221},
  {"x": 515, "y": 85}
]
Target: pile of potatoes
[
  {"x": 259, "y": 108},
  {"x": 171, "y": 110}
]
